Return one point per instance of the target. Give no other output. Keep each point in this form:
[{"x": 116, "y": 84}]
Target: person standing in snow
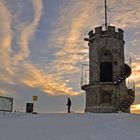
[{"x": 69, "y": 104}]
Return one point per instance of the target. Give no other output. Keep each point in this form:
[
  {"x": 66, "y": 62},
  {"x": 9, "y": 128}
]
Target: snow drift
[{"x": 22, "y": 126}]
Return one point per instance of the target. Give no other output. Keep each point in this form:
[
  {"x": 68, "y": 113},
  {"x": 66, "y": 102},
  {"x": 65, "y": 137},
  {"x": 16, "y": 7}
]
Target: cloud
[
  {"x": 124, "y": 14},
  {"x": 136, "y": 72},
  {"x": 6, "y": 37},
  {"x": 53, "y": 83},
  {"x": 135, "y": 42},
  {"x": 135, "y": 108},
  {"x": 31, "y": 75},
  {"x": 36, "y": 78},
  {"x": 17, "y": 70},
  {"x": 72, "y": 24},
  {"x": 27, "y": 31}
]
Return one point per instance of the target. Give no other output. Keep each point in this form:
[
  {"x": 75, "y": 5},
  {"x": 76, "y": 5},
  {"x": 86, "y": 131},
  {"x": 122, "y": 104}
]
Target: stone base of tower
[
  {"x": 101, "y": 109},
  {"x": 107, "y": 98}
]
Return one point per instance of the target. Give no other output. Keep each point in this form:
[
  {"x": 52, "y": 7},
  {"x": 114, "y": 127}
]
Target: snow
[{"x": 22, "y": 126}]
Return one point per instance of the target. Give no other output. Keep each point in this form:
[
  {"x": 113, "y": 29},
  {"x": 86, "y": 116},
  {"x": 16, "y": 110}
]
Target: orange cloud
[
  {"x": 69, "y": 36},
  {"x": 136, "y": 73},
  {"x": 36, "y": 78},
  {"x": 17, "y": 69},
  {"x": 27, "y": 32},
  {"x": 6, "y": 69},
  {"x": 130, "y": 11},
  {"x": 135, "y": 109}
]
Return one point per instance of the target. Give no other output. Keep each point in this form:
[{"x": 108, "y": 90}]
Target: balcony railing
[{"x": 85, "y": 75}]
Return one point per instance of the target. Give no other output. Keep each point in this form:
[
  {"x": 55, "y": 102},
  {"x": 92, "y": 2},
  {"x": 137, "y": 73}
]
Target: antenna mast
[{"x": 105, "y": 15}]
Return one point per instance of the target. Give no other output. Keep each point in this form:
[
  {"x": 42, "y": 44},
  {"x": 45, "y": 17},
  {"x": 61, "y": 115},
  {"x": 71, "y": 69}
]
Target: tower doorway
[{"x": 106, "y": 72}]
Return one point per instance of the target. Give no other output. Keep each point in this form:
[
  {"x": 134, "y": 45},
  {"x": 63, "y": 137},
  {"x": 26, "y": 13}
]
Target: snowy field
[{"x": 22, "y": 126}]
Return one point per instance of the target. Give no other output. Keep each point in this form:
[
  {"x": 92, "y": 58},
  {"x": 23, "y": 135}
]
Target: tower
[{"x": 106, "y": 90}]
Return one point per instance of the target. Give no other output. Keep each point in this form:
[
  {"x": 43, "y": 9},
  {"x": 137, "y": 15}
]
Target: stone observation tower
[{"x": 106, "y": 90}]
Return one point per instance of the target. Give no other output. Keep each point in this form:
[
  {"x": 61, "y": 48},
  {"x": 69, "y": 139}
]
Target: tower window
[{"x": 106, "y": 72}]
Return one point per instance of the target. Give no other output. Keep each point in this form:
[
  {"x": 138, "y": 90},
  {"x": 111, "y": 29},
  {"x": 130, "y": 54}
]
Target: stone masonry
[{"x": 106, "y": 91}]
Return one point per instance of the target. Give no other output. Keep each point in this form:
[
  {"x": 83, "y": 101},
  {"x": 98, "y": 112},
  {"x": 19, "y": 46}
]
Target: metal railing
[{"x": 85, "y": 75}]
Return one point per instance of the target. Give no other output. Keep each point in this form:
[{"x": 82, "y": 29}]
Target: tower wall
[
  {"x": 106, "y": 46},
  {"x": 106, "y": 64}
]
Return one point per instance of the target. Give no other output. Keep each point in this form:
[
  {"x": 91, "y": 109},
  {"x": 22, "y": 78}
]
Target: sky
[{"x": 42, "y": 48}]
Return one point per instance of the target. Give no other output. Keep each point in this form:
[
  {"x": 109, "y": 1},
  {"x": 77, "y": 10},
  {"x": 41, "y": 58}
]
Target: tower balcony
[{"x": 126, "y": 72}]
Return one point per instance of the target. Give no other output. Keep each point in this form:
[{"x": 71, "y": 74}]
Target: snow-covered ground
[{"x": 22, "y": 126}]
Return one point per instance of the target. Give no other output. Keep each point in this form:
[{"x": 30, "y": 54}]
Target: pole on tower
[{"x": 105, "y": 15}]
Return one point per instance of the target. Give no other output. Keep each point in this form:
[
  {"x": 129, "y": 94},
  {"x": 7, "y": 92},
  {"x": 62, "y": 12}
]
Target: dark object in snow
[{"x": 29, "y": 107}]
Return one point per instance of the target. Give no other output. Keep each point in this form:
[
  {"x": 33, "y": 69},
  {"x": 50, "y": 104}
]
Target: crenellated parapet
[{"x": 111, "y": 31}]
